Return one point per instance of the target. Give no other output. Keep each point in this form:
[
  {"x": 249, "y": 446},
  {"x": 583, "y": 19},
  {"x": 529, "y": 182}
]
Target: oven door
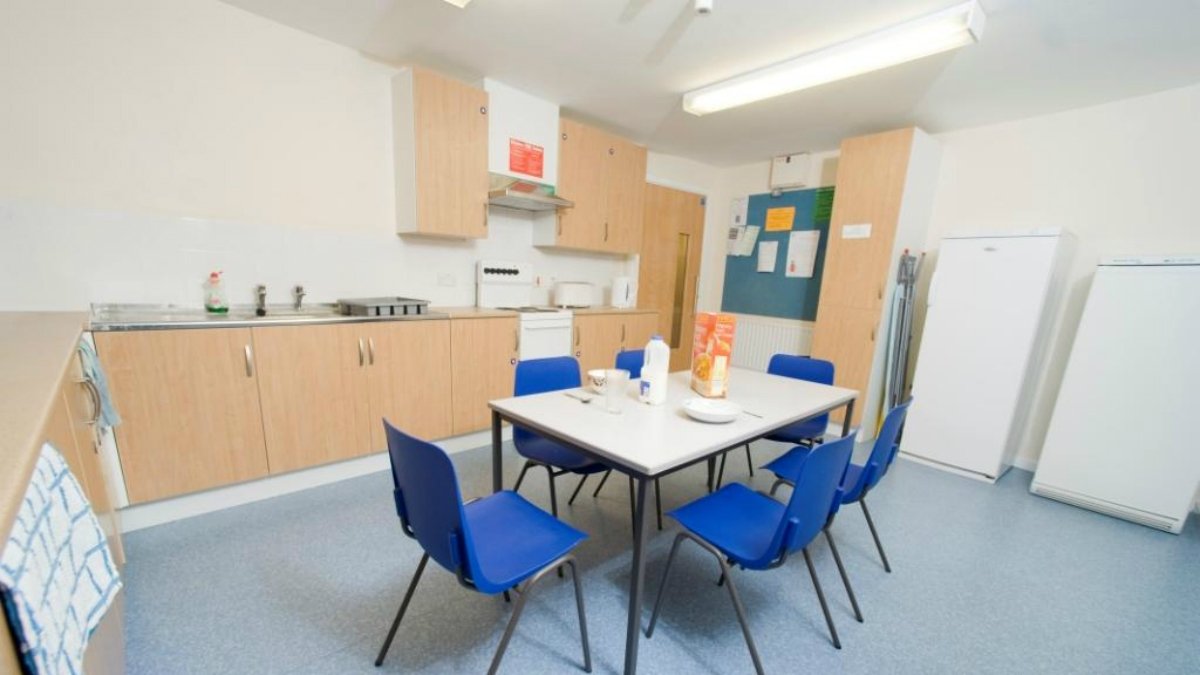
[{"x": 542, "y": 338}]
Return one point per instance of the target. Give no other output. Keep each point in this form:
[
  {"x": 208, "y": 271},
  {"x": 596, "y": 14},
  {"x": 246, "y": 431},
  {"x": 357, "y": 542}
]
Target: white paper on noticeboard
[
  {"x": 767, "y": 252},
  {"x": 737, "y": 224},
  {"x": 747, "y": 241},
  {"x": 801, "y": 253}
]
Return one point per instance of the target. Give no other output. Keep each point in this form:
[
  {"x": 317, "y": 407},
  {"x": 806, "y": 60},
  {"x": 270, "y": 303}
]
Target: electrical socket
[{"x": 446, "y": 279}]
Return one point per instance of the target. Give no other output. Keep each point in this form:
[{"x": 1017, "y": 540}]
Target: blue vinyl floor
[{"x": 986, "y": 579}]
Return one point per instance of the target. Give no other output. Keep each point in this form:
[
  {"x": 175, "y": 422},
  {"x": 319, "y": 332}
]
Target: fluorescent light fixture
[
  {"x": 941, "y": 31},
  {"x": 459, "y": 3}
]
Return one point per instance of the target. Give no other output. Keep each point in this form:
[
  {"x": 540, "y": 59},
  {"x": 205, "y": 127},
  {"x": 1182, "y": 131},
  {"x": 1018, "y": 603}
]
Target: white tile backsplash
[{"x": 61, "y": 258}]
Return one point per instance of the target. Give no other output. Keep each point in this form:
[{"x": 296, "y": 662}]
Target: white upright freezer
[
  {"x": 1124, "y": 438},
  {"x": 990, "y": 302}
]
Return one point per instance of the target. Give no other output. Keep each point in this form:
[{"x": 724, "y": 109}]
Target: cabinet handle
[
  {"x": 559, "y": 216},
  {"x": 622, "y": 333},
  {"x": 361, "y": 353},
  {"x": 517, "y": 340},
  {"x": 371, "y": 351},
  {"x": 576, "y": 336},
  {"x": 94, "y": 395},
  {"x": 483, "y": 110},
  {"x": 485, "y": 213},
  {"x": 606, "y": 230},
  {"x": 881, "y": 292},
  {"x": 872, "y": 335},
  {"x": 249, "y": 353},
  {"x": 612, "y": 151}
]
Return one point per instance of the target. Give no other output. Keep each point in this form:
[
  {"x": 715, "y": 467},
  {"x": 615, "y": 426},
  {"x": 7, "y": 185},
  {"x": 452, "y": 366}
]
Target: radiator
[{"x": 758, "y": 338}]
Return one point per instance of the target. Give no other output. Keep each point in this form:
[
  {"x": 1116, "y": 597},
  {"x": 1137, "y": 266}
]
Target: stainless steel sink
[{"x": 149, "y": 317}]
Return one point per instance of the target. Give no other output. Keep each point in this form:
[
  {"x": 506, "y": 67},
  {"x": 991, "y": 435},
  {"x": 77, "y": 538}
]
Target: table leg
[
  {"x": 497, "y": 461},
  {"x": 637, "y": 583},
  {"x": 849, "y": 416}
]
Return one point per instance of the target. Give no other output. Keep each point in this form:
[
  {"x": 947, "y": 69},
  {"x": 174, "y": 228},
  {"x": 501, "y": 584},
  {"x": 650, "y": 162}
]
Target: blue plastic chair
[
  {"x": 808, "y": 432},
  {"x": 860, "y": 478},
  {"x": 536, "y": 376},
  {"x": 492, "y": 545},
  {"x": 632, "y": 360},
  {"x": 741, "y": 527}
]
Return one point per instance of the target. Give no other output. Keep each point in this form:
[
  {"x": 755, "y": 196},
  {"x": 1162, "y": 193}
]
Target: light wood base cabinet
[
  {"x": 189, "y": 407},
  {"x": 408, "y": 379},
  {"x": 598, "y": 337},
  {"x": 313, "y": 384},
  {"x": 483, "y": 352}
]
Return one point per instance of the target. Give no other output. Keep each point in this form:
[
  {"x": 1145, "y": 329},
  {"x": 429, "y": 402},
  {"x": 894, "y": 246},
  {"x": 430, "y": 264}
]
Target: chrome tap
[
  {"x": 260, "y": 300},
  {"x": 297, "y": 297}
]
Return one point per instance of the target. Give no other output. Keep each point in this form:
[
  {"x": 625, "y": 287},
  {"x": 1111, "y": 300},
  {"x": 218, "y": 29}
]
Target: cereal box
[{"x": 712, "y": 348}]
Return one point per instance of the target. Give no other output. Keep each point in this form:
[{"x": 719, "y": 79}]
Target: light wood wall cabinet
[
  {"x": 884, "y": 182},
  {"x": 605, "y": 176},
  {"x": 312, "y": 381},
  {"x": 483, "y": 354},
  {"x": 441, "y": 155},
  {"x": 408, "y": 378},
  {"x": 598, "y": 337},
  {"x": 189, "y": 408}
]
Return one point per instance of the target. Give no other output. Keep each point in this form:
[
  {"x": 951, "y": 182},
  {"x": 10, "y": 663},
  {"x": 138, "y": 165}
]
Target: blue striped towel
[{"x": 57, "y": 578}]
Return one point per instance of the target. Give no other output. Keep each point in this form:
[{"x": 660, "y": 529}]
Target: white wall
[
  {"x": 146, "y": 142},
  {"x": 1121, "y": 176}
]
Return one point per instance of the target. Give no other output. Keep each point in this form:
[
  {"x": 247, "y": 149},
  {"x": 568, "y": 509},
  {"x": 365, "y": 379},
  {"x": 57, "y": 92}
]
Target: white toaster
[{"x": 574, "y": 294}]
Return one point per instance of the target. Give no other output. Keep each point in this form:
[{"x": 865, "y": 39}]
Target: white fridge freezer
[
  {"x": 990, "y": 303},
  {"x": 1124, "y": 438}
]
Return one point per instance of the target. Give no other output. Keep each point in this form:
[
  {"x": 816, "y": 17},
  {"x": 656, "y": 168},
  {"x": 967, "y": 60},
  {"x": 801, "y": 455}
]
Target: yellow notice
[{"x": 780, "y": 219}]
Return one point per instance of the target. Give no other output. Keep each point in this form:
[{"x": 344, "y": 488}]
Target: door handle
[
  {"x": 371, "y": 351},
  {"x": 361, "y": 353},
  {"x": 249, "y": 354}
]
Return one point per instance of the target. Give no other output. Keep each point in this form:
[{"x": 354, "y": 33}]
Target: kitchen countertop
[
  {"x": 36, "y": 349},
  {"x": 614, "y": 310},
  {"x": 161, "y": 317},
  {"x": 473, "y": 312}
]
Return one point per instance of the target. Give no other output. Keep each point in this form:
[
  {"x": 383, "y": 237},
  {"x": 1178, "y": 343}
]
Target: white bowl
[
  {"x": 596, "y": 379},
  {"x": 712, "y": 410}
]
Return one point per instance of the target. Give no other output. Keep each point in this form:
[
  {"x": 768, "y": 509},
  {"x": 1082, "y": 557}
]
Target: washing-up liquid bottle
[
  {"x": 654, "y": 372},
  {"x": 215, "y": 299}
]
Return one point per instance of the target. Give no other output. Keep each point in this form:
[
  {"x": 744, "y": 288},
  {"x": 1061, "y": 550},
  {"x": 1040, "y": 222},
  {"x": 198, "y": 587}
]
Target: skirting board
[
  {"x": 141, "y": 516},
  {"x": 950, "y": 469}
]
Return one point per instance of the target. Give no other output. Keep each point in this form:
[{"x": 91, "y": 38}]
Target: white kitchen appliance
[
  {"x": 623, "y": 292},
  {"x": 574, "y": 294},
  {"x": 542, "y": 331},
  {"x": 990, "y": 301},
  {"x": 1123, "y": 437}
]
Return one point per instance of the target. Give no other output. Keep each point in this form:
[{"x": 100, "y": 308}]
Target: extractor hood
[{"x": 515, "y": 193}]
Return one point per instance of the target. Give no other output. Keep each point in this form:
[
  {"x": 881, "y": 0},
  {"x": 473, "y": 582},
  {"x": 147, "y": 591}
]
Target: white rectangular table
[{"x": 646, "y": 442}]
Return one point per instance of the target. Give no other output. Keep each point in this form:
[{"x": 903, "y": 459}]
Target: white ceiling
[{"x": 625, "y": 63}]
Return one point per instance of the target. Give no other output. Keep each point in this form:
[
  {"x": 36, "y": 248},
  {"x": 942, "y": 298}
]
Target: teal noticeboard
[{"x": 748, "y": 291}]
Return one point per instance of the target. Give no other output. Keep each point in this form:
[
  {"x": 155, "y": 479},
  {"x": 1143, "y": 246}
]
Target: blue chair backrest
[
  {"x": 537, "y": 376},
  {"x": 884, "y": 451},
  {"x": 803, "y": 368},
  {"x": 632, "y": 360},
  {"x": 427, "y": 498},
  {"x": 816, "y": 491}
]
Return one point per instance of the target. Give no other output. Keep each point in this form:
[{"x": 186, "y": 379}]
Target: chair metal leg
[
  {"x": 658, "y": 502},
  {"x": 412, "y": 586},
  {"x": 632, "y": 507},
  {"x": 587, "y": 653},
  {"x": 662, "y": 586},
  {"x": 812, "y": 572},
  {"x": 776, "y": 485},
  {"x": 517, "y": 487},
  {"x": 875, "y": 535},
  {"x": 553, "y": 494},
  {"x": 603, "y": 480},
  {"x": 733, "y": 594},
  {"x": 577, "y": 489},
  {"x": 842, "y": 571},
  {"x": 749, "y": 461},
  {"x": 522, "y": 595}
]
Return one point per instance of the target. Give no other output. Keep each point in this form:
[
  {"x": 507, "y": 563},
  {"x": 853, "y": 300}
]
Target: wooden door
[
  {"x": 639, "y": 328},
  {"x": 312, "y": 381},
  {"x": 626, "y": 201},
  {"x": 847, "y": 338},
  {"x": 189, "y": 409},
  {"x": 451, "y": 133},
  {"x": 582, "y": 178},
  {"x": 669, "y": 267},
  {"x": 408, "y": 378},
  {"x": 483, "y": 356},
  {"x": 597, "y": 340}
]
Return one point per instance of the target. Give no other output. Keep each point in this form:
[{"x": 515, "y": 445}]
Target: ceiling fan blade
[
  {"x": 672, "y": 35},
  {"x": 632, "y": 9}
]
